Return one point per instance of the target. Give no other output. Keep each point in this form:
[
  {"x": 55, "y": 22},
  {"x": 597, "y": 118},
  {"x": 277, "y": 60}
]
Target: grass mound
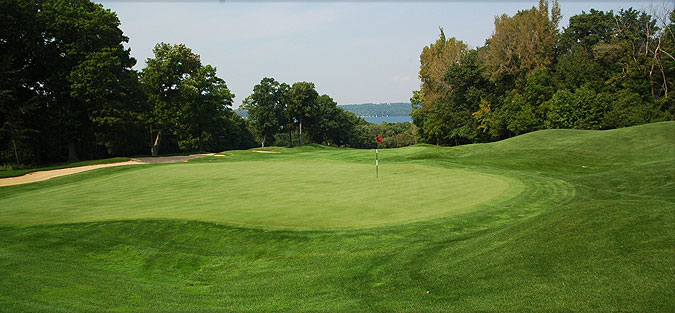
[{"x": 591, "y": 229}]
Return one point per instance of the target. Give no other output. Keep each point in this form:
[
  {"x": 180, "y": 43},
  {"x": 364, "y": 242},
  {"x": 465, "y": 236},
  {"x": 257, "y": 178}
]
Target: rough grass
[{"x": 593, "y": 229}]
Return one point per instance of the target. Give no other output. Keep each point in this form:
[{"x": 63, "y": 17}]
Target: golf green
[{"x": 288, "y": 194}]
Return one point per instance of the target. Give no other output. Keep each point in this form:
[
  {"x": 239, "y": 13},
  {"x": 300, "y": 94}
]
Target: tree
[
  {"x": 43, "y": 43},
  {"x": 522, "y": 43},
  {"x": 580, "y": 110},
  {"x": 434, "y": 62},
  {"x": 21, "y": 72},
  {"x": 326, "y": 119},
  {"x": 74, "y": 30},
  {"x": 586, "y": 30},
  {"x": 164, "y": 78},
  {"x": 107, "y": 86},
  {"x": 266, "y": 106},
  {"x": 302, "y": 103},
  {"x": 205, "y": 99},
  {"x": 432, "y": 107}
]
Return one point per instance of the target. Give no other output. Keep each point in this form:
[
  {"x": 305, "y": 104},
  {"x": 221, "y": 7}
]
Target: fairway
[{"x": 276, "y": 193}]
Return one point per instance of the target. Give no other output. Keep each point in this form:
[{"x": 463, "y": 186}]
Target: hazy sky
[{"x": 355, "y": 52}]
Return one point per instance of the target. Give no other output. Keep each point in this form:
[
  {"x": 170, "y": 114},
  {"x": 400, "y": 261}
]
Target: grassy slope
[{"x": 599, "y": 238}]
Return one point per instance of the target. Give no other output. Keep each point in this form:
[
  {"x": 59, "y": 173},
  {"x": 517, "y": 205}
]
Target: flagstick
[{"x": 377, "y": 170}]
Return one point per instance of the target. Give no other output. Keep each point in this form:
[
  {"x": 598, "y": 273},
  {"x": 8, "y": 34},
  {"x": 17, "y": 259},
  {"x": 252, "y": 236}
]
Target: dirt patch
[
  {"x": 44, "y": 175},
  {"x": 266, "y": 151}
]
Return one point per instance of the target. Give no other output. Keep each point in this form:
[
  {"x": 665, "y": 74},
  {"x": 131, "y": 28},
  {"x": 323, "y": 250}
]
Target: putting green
[{"x": 294, "y": 194}]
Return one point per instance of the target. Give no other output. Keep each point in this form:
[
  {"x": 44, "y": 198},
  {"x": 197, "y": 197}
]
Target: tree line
[
  {"x": 68, "y": 90},
  {"x": 605, "y": 70},
  {"x": 280, "y": 113}
]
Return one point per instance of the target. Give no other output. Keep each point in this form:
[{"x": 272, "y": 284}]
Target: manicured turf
[
  {"x": 587, "y": 223},
  {"x": 272, "y": 194}
]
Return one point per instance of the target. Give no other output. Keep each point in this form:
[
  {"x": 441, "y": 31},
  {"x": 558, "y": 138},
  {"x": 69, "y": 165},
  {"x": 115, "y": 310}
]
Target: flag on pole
[{"x": 377, "y": 165}]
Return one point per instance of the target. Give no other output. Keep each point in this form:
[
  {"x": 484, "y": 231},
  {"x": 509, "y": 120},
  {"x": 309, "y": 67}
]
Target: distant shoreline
[
  {"x": 398, "y": 112},
  {"x": 388, "y": 119}
]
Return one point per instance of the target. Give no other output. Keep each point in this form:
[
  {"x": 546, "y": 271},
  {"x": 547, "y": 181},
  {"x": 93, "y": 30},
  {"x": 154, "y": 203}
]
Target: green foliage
[
  {"x": 112, "y": 94},
  {"x": 578, "y": 68},
  {"x": 275, "y": 109},
  {"x": 394, "y": 135},
  {"x": 522, "y": 43},
  {"x": 583, "y": 109},
  {"x": 302, "y": 104},
  {"x": 266, "y": 108},
  {"x": 206, "y": 99},
  {"x": 627, "y": 108},
  {"x": 434, "y": 61},
  {"x": 448, "y": 120},
  {"x": 518, "y": 115},
  {"x": 604, "y": 70},
  {"x": 54, "y": 54},
  {"x": 187, "y": 100},
  {"x": 164, "y": 78}
]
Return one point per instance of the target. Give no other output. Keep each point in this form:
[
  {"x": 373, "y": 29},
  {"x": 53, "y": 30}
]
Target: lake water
[{"x": 388, "y": 119}]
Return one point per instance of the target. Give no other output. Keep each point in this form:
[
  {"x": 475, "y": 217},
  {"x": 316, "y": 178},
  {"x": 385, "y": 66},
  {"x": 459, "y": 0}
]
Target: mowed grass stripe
[{"x": 295, "y": 194}]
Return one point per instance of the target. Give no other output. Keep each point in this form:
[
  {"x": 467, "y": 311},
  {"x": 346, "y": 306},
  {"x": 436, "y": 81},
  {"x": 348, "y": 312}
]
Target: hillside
[
  {"x": 378, "y": 109},
  {"x": 568, "y": 221},
  {"x": 367, "y": 109}
]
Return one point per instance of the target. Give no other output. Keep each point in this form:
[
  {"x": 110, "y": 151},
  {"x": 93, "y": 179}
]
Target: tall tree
[
  {"x": 74, "y": 30},
  {"x": 522, "y": 43},
  {"x": 266, "y": 106},
  {"x": 164, "y": 77},
  {"x": 431, "y": 104},
  {"x": 21, "y": 77},
  {"x": 326, "y": 119},
  {"x": 302, "y": 103},
  {"x": 434, "y": 62},
  {"x": 205, "y": 100},
  {"x": 109, "y": 89},
  {"x": 43, "y": 43}
]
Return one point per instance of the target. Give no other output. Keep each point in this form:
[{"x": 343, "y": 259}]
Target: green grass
[
  {"x": 586, "y": 223},
  {"x": 11, "y": 172},
  {"x": 280, "y": 194}
]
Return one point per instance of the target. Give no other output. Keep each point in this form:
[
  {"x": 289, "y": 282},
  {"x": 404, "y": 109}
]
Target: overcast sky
[{"x": 354, "y": 52}]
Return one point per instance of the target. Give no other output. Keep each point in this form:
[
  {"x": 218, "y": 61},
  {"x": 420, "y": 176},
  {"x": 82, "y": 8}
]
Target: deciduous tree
[
  {"x": 164, "y": 78},
  {"x": 302, "y": 103},
  {"x": 266, "y": 106}
]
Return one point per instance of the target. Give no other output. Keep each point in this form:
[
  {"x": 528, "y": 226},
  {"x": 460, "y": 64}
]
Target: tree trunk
[
  {"x": 72, "y": 153},
  {"x": 16, "y": 153},
  {"x": 155, "y": 146},
  {"x": 300, "y": 132},
  {"x": 201, "y": 144},
  {"x": 290, "y": 136},
  {"x": 263, "y": 141}
]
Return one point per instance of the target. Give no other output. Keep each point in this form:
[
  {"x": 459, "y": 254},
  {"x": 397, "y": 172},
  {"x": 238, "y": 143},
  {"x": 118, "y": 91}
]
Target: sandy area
[
  {"x": 266, "y": 151},
  {"x": 44, "y": 175}
]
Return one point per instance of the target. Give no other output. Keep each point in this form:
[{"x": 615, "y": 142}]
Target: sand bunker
[{"x": 44, "y": 175}]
